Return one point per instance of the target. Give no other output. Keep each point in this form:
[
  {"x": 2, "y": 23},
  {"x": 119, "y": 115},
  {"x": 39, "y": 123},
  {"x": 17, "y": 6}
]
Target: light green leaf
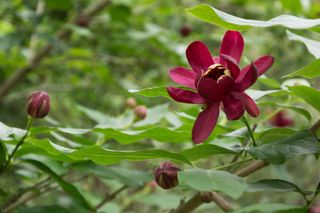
[
  {"x": 208, "y": 180},
  {"x": 161, "y": 134},
  {"x": 301, "y": 143},
  {"x": 96, "y": 154},
  {"x": 308, "y": 94},
  {"x": 212, "y": 15},
  {"x": 257, "y": 94},
  {"x": 67, "y": 187},
  {"x": 205, "y": 151},
  {"x": 310, "y": 71},
  {"x": 312, "y": 45},
  {"x": 103, "y": 156},
  {"x": 152, "y": 92}
]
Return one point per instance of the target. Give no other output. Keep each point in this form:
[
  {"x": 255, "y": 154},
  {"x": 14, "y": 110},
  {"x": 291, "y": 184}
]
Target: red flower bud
[
  {"x": 281, "y": 120},
  {"x": 166, "y": 175},
  {"x": 131, "y": 103},
  {"x": 141, "y": 111},
  {"x": 38, "y": 105},
  {"x": 185, "y": 31}
]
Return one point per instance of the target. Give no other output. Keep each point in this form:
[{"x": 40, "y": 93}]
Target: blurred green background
[{"x": 131, "y": 44}]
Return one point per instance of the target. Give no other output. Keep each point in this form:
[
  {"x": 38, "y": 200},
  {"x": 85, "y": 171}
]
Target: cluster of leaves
[{"x": 98, "y": 69}]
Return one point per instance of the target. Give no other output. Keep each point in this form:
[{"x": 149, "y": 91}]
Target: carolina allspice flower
[
  {"x": 281, "y": 120},
  {"x": 141, "y": 111},
  {"x": 166, "y": 175},
  {"x": 38, "y": 105}
]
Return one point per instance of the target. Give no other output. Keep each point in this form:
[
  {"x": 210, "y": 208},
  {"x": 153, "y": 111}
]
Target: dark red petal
[
  {"x": 205, "y": 123},
  {"x": 231, "y": 65},
  {"x": 185, "y": 96},
  {"x": 233, "y": 107},
  {"x": 249, "y": 103},
  {"x": 246, "y": 78},
  {"x": 226, "y": 84},
  {"x": 210, "y": 90},
  {"x": 232, "y": 45},
  {"x": 199, "y": 56},
  {"x": 183, "y": 77},
  {"x": 262, "y": 64}
]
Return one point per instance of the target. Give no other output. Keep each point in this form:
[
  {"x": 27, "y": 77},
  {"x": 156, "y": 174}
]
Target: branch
[
  {"x": 36, "y": 59},
  {"x": 206, "y": 197},
  {"x": 110, "y": 197}
]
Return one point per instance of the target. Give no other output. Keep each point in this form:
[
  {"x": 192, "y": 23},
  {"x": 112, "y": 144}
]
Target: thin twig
[{"x": 110, "y": 197}]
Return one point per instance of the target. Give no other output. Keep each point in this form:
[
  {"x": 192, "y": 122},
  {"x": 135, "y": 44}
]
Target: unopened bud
[
  {"x": 141, "y": 111},
  {"x": 281, "y": 119},
  {"x": 131, "y": 103},
  {"x": 38, "y": 105},
  {"x": 166, "y": 175},
  {"x": 185, "y": 31}
]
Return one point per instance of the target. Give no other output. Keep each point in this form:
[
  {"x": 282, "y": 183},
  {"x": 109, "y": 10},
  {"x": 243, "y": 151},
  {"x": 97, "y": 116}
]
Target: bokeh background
[{"x": 131, "y": 44}]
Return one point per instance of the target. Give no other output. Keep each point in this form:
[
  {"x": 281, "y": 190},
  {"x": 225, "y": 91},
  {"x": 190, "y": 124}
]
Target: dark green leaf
[
  {"x": 276, "y": 185},
  {"x": 67, "y": 187},
  {"x": 301, "y": 143},
  {"x": 212, "y": 15},
  {"x": 308, "y": 94},
  {"x": 208, "y": 180},
  {"x": 205, "y": 151},
  {"x": 42, "y": 209},
  {"x": 275, "y": 134}
]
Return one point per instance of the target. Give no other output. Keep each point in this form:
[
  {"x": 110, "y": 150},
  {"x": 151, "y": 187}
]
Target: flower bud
[
  {"x": 166, "y": 175},
  {"x": 131, "y": 103},
  {"x": 281, "y": 120},
  {"x": 38, "y": 105},
  {"x": 185, "y": 31},
  {"x": 141, "y": 111}
]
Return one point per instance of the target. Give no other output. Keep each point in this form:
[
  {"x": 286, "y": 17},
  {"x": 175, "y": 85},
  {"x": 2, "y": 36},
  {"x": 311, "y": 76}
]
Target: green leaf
[
  {"x": 310, "y": 71},
  {"x": 41, "y": 209},
  {"x": 317, "y": 189},
  {"x": 268, "y": 207},
  {"x": 67, "y": 187},
  {"x": 107, "y": 121},
  {"x": 301, "y": 143},
  {"x": 270, "y": 82},
  {"x": 275, "y": 185},
  {"x": 128, "y": 177},
  {"x": 97, "y": 154},
  {"x": 205, "y": 151},
  {"x": 3, "y": 153},
  {"x": 257, "y": 94},
  {"x": 152, "y": 92},
  {"x": 103, "y": 156},
  {"x": 212, "y": 15},
  {"x": 308, "y": 94},
  {"x": 275, "y": 134},
  {"x": 161, "y": 134},
  {"x": 10, "y": 133},
  {"x": 312, "y": 45},
  {"x": 208, "y": 180}
]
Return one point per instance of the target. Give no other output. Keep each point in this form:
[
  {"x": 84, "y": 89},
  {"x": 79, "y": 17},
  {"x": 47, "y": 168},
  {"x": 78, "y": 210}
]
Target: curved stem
[
  {"x": 249, "y": 131},
  {"x": 29, "y": 123},
  {"x": 232, "y": 164}
]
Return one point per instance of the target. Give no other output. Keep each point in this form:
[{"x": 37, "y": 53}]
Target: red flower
[{"x": 216, "y": 81}]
